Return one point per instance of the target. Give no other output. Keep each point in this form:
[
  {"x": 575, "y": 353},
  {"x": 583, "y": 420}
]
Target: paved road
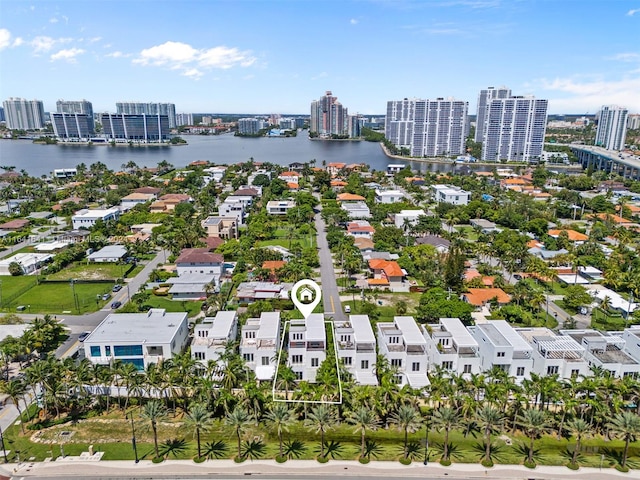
[
  {"x": 330, "y": 295},
  {"x": 296, "y": 470}
]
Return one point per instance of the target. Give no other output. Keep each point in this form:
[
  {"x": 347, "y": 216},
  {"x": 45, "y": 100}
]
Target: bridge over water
[{"x": 624, "y": 164}]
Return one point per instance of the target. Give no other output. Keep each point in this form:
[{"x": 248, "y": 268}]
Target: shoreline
[
  {"x": 107, "y": 144},
  {"x": 436, "y": 161}
]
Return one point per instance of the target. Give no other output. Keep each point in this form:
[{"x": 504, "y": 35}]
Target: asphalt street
[{"x": 330, "y": 294}]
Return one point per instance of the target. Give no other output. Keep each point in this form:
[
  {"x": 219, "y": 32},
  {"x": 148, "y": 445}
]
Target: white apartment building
[
  {"x": 24, "y": 114},
  {"x": 451, "y": 347},
  {"x": 356, "y": 346},
  {"x": 211, "y": 337},
  {"x": 138, "y": 338},
  {"x": 86, "y": 218},
  {"x": 402, "y": 343},
  {"x": 612, "y": 127},
  {"x": 450, "y": 194},
  {"x": 555, "y": 354},
  {"x": 307, "y": 346},
  {"x": 501, "y": 346},
  {"x": 428, "y": 128},
  {"x": 389, "y": 196},
  {"x": 609, "y": 350},
  {"x": 484, "y": 98},
  {"x": 259, "y": 343},
  {"x": 514, "y": 129}
]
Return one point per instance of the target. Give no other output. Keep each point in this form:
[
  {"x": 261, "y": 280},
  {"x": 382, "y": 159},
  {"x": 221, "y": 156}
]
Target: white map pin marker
[{"x": 306, "y": 295}]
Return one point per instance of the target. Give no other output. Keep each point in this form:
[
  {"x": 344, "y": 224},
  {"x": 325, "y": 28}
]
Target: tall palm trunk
[
  {"x": 198, "y": 440},
  {"x": 445, "y": 453},
  {"x": 155, "y": 437},
  {"x": 576, "y": 450}
]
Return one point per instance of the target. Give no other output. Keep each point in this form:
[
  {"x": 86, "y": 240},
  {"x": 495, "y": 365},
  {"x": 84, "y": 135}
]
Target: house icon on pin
[{"x": 306, "y": 295}]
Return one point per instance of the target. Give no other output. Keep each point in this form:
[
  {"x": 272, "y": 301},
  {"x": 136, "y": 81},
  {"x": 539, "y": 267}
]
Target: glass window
[
  {"x": 137, "y": 362},
  {"x": 265, "y": 360},
  {"x": 364, "y": 364},
  {"x": 520, "y": 372},
  {"x": 127, "y": 350},
  {"x": 107, "y": 351},
  {"x": 314, "y": 362},
  {"x": 95, "y": 351}
]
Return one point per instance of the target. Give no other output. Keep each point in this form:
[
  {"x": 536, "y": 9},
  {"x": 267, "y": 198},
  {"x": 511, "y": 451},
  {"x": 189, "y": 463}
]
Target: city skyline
[{"x": 264, "y": 57}]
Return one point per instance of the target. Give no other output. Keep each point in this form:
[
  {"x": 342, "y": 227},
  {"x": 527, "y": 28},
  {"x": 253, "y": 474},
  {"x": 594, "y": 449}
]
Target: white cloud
[
  {"x": 44, "y": 44},
  {"x": 117, "y": 54},
  {"x": 353, "y": 21},
  {"x": 94, "y": 39},
  {"x": 320, "y": 75},
  {"x": 17, "y": 42},
  {"x": 631, "y": 13},
  {"x": 626, "y": 57},
  {"x": 5, "y": 38},
  {"x": 53, "y": 20},
  {"x": 588, "y": 95},
  {"x": 69, "y": 55},
  {"x": 444, "y": 31},
  {"x": 182, "y": 56}
]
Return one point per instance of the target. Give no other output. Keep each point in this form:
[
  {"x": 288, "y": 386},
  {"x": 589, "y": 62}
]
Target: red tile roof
[
  {"x": 199, "y": 255},
  {"x": 480, "y": 296}
]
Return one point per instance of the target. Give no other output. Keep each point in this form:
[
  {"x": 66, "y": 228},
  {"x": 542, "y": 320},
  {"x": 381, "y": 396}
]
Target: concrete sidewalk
[{"x": 332, "y": 469}]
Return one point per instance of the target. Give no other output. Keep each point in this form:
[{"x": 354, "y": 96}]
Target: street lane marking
[{"x": 64, "y": 355}]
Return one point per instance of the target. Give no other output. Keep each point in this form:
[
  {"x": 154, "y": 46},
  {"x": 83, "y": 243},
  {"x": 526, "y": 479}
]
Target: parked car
[
  {"x": 116, "y": 288},
  {"x": 83, "y": 335},
  {"x": 106, "y": 296},
  {"x": 347, "y": 309},
  {"x": 115, "y": 305}
]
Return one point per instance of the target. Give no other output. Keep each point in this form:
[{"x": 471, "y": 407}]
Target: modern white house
[
  {"x": 232, "y": 207},
  {"x": 259, "y": 344},
  {"x": 555, "y": 354},
  {"x": 200, "y": 260},
  {"x": 86, "y": 218},
  {"x": 356, "y": 346},
  {"x": 501, "y": 346},
  {"x": 609, "y": 351},
  {"x": 389, "y": 196},
  {"x": 192, "y": 286},
  {"x": 280, "y": 207},
  {"x": 211, "y": 337},
  {"x": 403, "y": 344},
  {"x": 451, "y": 347},
  {"x": 356, "y": 210},
  {"x": 410, "y": 216},
  {"x": 307, "y": 346},
  {"x": 138, "y": 338},
  {"x": 450, "y": 194},
  {"x": 29, "y": 262}
]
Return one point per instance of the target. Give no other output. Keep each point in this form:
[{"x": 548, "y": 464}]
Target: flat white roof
[
  {"x": 459, "y": 332},
  {"x": 362, "y": 331},
  {"x": 269, "y": 325},
  {"x": 411, "y": 213},
  {"x": 110, "y": 251},
  {"x": 16, "y": 331},
  {"x": 156, "y": 326},
  {"x": 410, "y": 331},
  {"x": 25, "y": 259},
  {"x": 222, "y": 324},
  {"x": 315, "y": 328},
  {"x": 509, "y": 333},
  {"x": 98, "y": 213}
]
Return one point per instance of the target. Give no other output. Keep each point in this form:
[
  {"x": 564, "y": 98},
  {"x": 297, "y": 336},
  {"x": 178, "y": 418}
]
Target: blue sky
[{"x": 276, "y": 56}]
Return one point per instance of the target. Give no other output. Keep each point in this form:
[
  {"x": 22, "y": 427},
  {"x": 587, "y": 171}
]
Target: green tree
[
  {"x": 578, "y": 428},
  {"x": 490, "y": 420},
  {"x": 200, "y": 420},
  {"x": 154, "y": 411},
  {"x": 446, "y": 418},
  {"x": 406, "y": 419},
  {"x": 239, "y": 419},
  {"x": 576, "y": 296},
  {"x": 15, "y": 269},
  {"x": 280, "y": 419},
  {"x": 625, "y": 425},
  {"x": 321, "y": 418},
  {"x": 533, "y": 423},
  {"x": 363, "y": 419}
]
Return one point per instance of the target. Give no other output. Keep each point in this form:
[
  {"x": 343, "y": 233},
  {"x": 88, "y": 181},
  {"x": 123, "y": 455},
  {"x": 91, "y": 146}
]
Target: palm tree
[
  {"x": 625, "y": 425},
  {"x": 154, "y": 411},
  {"x": 363, "y": 419},
  {"x": 533, "y": 423},
  {"x": 15, "y": 389},
  {"x": 578, "y": 429},
  {"x": 280, "y": 418},
  {"x": 200, "y": 420},
  {"x": 490, "y": 419},
  {"x": 406, "y": 419},
  {"x": 239, "y": 419},
  {"x": 286, "y": 380},
  {"x": 446, "y": 418},
  {"x": 321, "y": 418}
]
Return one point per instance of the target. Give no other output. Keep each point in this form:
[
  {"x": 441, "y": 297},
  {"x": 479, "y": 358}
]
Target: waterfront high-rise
[
  {"x": 485, "y": 96},
  {"x": 633, "y": 121},
  {"x": 76, "y": 106},
  {"x": 22, "y": 114},
  {"x": 139, "y": 128},
  {"x": 612, "y": 127},
  {"x": 72, "y": 126},
  {"x": 329, "y": 117},
  {"x": 184, "y": 119},
  {"x": 514, "y": 129},
  {"x": 251, "y": 126},
  {"x": 427, "y": 128},
  {"x": 151, "y": 108}
]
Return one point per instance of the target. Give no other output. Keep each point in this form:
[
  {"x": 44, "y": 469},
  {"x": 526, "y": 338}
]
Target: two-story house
[
  {"x": 259, "y": 343},
  {"x": 213, "y": 335},
  {"x": 307, "y": 346}
]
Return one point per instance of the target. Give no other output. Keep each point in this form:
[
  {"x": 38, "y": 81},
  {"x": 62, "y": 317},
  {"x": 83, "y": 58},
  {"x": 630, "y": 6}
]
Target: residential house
[
  {"x": 15, "y": 225},
  {"x": 479, "y": 297},
  {"x": 280, "y": 207},
  {"x": 335, "y": 168},
  {"x": 403, "y": 345},
  {"x": 134, "y": 199},
  {"x": 354, "y": 205},
  {"x": 213, "y": 335},
  {"x": 221, "y": 227},
  {"x": 193, "y": 286},
  {"x": 108, "y": 254},
  {"x": 29, "y": 262},
  {"x": 86, "y": 218},
  {"x": 307, "y": 346},
  {"x": 502, "y": 347},
  {"x": 290, "y": 177},
  {"x": 200, "y": 260},
  {"x": 249, "y": 292},
  {"x": 573, "y": 236},
  {"x": 137, "y": 338},
  {"x": 441, "y": 244},
  {"x": 485, "y": 226},
  {"x": 234, "y": 208},
  {"x": 259, "y": 344},
  {"x": 389, "y": 196},
  {"x": 386, "y": 273},
  {"x": 407, "y": 217},
  {"x": 167, "y": 203},
  {"x": 450, "y": 194},
  {"x": 360, "y": 229},
  {"x": 452, "y": 348},
  {"x": 356, "y": 346}
]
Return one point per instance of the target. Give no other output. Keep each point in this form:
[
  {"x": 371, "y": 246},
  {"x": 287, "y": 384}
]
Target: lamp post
[
  {"x": 73, "y": 290},
  {"x": 426, "y": 445},
  {"x": 133, "y": 437},
  {"x": 4, "y": 450}
]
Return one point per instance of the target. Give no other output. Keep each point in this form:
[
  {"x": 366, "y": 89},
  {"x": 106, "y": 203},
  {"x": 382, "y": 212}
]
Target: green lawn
[
  {"x": 90, "y": 271},
  {"x": 191, "y": 307},
  {"x": 111, "y": 434},
  {"x": 284, "y": 242},
  {"x": 602, "y": 320},
  {"x": 58, "y": 298},
  {"x": 11, "y": 286}
]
